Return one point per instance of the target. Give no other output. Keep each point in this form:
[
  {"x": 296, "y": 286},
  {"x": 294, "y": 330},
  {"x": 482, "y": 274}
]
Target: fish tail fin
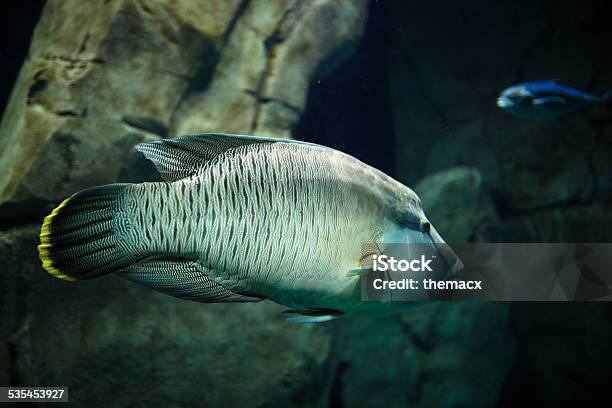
[{"x": 79, "y": 240}]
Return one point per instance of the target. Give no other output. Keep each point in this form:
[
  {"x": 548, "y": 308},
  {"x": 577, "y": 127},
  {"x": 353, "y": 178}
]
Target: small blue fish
[{"x": 546, "y": 99}]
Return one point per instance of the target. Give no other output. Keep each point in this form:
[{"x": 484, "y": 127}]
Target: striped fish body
[
  {"x": 284, "y": 221},
  {"x": 240, "y": 219}
]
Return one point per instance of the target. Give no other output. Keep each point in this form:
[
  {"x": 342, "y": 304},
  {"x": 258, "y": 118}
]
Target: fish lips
[
  {"x": 438, "y": 262},
  {"x": 413, "y": 242},
  {"x": 446, "y": 252}
]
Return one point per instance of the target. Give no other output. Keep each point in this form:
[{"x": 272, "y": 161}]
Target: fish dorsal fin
[{"x": 181, "y": 157}]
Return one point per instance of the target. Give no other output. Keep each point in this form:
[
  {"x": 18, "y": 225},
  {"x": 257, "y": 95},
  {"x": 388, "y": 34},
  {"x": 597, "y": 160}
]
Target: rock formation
[{"x": 102, "y": 76}]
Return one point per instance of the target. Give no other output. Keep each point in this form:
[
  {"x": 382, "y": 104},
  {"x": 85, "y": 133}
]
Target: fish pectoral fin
[
  {"x": 182, "y": 156},
  {"x": 311, "y": 315},
  {"x": 182, "y": 278},
  {"x": 548, "y": 99},
  {"x": 358, "y": 272}
]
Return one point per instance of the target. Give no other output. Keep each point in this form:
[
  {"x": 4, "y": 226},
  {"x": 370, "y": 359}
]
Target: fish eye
[{"x": 425, "y": 226}]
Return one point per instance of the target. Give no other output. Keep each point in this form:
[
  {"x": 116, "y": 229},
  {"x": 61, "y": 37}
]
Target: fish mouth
[
  {"x": 418, "y": 240},
  {"x": 446, "y": 252},
  {"x": 503, "y": 102}
]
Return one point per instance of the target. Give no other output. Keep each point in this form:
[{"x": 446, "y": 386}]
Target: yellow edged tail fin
[
  {"x": 79, "y": 239},
  {"x": 45, "y": 244}
]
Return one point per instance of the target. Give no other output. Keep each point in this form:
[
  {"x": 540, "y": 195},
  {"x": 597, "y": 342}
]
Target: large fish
[
  {"x": 546, "y": 99},
  {"x": 240, "y": 219}
]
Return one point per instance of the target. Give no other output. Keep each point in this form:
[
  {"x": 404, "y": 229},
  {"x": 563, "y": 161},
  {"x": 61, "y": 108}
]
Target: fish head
[
  {"x": 516, "y": 99},
  {"x": 412, "y": 234}
]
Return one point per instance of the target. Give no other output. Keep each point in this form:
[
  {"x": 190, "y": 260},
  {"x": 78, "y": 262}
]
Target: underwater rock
[
  {"x": 143, "y": 70},
  {"x": 458, "y": 205},
  {"x": 453, "y": 362},
  {"x": 111, "y": 337},
  {"x": 266, "y": 65},
  {"x": 438, "y": 354},
  {"x": 88, "y": 92},
  {"x": 564, "y": 353}
]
